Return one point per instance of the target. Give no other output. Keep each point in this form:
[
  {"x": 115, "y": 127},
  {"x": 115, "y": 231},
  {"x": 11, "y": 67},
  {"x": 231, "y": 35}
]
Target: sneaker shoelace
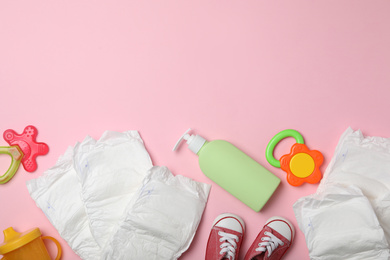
[
  {"x": 229, "y": 245},
  {"x": 269, "y": 244}
]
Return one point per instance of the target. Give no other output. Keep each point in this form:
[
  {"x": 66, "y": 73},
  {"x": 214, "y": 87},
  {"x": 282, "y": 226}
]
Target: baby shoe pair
[{"x": 228, "y": 231}]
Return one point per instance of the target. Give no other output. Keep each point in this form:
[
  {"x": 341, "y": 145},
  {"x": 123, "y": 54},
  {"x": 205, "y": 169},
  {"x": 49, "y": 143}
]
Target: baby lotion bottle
[{"x": 233, "y": 170}]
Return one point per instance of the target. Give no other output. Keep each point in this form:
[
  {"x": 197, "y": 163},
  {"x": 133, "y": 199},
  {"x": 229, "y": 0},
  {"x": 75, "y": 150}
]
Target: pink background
[{"x": 235, "y": 70}]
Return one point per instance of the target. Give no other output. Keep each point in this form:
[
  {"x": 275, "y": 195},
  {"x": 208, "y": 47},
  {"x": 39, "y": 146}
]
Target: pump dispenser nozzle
[{"x": 195, "y": 142}]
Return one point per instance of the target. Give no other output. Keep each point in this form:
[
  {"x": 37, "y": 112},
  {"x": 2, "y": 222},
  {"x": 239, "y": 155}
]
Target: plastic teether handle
[
  {"x": 26, "y": 142},
  {"x": 59, "y": 253},
  {"x": 269, "y": 151},
  {"x": 16, "y": 156}
]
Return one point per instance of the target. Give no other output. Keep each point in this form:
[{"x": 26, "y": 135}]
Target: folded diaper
[
  {"x": 363, "y": 161},
  {"x": 110, "y": 171},
  {"x": 340, "y": 223},
  {"x": 85, "y": 194},
  {"x": 162, "y": 221},
  {"x": 349, "y": 216},
  {"x": 58, "y": 194},
  {"x": 360, "y": 161}
]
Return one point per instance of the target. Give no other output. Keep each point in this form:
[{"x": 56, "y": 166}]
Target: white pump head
[{"x": 195, "y": 142}]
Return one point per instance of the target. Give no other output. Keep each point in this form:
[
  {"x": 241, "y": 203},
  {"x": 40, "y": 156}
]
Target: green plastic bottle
[{"x": 233, "y": 170}]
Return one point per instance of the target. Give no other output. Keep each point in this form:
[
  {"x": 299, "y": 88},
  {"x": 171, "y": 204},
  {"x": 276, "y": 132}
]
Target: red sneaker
[
  {"x": 273, "y": 240},
  {"x": 225, "y": 238}
]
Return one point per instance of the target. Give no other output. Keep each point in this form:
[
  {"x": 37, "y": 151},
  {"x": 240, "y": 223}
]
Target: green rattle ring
[{"x": 269, "y": 151}]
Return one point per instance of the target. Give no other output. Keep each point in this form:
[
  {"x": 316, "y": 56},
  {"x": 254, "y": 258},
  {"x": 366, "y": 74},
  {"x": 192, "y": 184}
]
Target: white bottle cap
[{"x": 195, "y": 142}]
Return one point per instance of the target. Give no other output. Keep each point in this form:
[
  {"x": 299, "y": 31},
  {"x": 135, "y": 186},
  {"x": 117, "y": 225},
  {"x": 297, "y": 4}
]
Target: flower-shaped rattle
[{"x": 301, "y": 164}]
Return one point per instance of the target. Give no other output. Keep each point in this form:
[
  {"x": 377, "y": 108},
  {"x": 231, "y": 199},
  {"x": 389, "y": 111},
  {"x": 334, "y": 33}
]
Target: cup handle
[{"x": 59, "y": 253}]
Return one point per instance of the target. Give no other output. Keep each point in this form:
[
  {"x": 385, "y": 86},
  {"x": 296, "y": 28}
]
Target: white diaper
[
  {"x": 58, "y": 194},
  {"x": 163, "y": 219},
  {"x": 349, "y": 216},
  {"x": 340, "y": 223},
  {"x": 110, "y": 171}
]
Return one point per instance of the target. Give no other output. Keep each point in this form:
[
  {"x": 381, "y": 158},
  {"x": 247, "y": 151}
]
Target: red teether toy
[{"x": 30, "y": 148}]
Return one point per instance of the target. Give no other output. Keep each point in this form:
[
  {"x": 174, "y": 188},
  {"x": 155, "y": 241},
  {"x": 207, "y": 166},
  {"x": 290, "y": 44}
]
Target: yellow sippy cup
[{"x": 26, "y": 245}]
